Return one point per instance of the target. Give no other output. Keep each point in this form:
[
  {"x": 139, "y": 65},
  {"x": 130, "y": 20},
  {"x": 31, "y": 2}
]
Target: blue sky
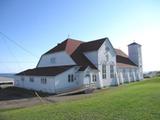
[{"x": 38, "y": 25}]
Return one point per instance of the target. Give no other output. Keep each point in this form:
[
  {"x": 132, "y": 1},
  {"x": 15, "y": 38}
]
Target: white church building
[{"x": 75, "y": 64}]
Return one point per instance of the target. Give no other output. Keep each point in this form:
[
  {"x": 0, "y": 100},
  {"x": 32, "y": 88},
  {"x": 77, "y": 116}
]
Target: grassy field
[{"x": 135, "y": 101}]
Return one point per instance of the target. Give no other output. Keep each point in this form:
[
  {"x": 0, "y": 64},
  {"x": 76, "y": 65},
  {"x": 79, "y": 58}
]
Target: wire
[
  {"x": 3, "y": 37},
  {"x": 17, "y": 44},
  {"x": 15, "y": 58},
  {"x": 6, "y": 65}
]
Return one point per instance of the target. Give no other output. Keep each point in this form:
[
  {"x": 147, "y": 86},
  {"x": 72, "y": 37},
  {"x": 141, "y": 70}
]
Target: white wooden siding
[{"x": 61, "y": 58}]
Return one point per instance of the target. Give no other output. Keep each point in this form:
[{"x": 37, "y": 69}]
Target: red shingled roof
[
  {"x": 69, "y": 45},
  {"x": 75, "y": 49}
]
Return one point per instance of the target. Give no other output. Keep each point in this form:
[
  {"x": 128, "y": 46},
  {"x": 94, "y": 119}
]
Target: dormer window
[{"x": 53, "y": 60}]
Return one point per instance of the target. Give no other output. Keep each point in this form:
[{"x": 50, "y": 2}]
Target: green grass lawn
[{"x": 135, "y": 101}]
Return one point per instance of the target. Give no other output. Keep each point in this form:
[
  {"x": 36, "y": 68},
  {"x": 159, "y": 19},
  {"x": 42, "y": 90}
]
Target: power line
[
  {"x": 17, "y": 44},
  {"x": 3, "y": 37},
  {"x": 15, "y": 58}
]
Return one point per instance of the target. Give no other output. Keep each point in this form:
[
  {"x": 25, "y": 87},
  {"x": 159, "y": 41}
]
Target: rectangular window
[
  {"x": 131, "y": 74},
  {"x": 107, "y": 57},
  {"x": 44, "y": 80},
  {"x": 107, "y": 48},
  {"x": 104, "y": 71},
  {"x": 130, "y": 71},
  {"x": 22, "y": 79},
  {"x": 124, "y": 74},
  {"x": 111, "y": 71},
  {"x": 94, "y": 78},
  {"x": 53, "y": 60},
  {"x": 31, "y": 79},
  {"x": 70, "y": 78}
]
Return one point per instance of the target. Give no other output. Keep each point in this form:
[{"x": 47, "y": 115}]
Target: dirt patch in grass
[
  {"x": 14, "y": 97},
  {"x": 12, "y": 93}
]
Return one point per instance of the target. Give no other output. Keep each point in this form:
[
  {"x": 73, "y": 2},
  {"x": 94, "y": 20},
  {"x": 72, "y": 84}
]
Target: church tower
[{"x": 134, "y": 52}]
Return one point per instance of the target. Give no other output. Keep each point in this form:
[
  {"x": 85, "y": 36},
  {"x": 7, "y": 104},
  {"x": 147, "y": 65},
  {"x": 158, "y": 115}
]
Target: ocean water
[{"x": 10, "y": 75}]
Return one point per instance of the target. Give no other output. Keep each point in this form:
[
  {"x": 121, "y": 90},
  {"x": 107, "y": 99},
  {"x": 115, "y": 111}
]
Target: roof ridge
[
  {"x": 96, "y": 40},
  {"x": 56, "y": 66},
  {"x": 70, "y": 39},
  {"x": 74, "y": 39},
  {"x": 134, "y": 43}
]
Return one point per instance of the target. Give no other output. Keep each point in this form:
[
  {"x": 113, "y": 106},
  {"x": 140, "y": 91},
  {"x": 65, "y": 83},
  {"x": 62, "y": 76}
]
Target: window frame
[
  {"x": 94, "y": 78},
  {"x": 44, "y": 80},
  {"x": 22, "y": 78},
  {"x": 53, "y": 60},
  {"x": 107, "y": 57},
  {"x": 112, "y": 75},
  {"x": 71, "y": 78},
  {"x": 104, "y": 74},
  {"x": 31, "y": 79}
]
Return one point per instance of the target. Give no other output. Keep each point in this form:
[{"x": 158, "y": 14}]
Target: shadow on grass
[{"x": 13, "y": 93}]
